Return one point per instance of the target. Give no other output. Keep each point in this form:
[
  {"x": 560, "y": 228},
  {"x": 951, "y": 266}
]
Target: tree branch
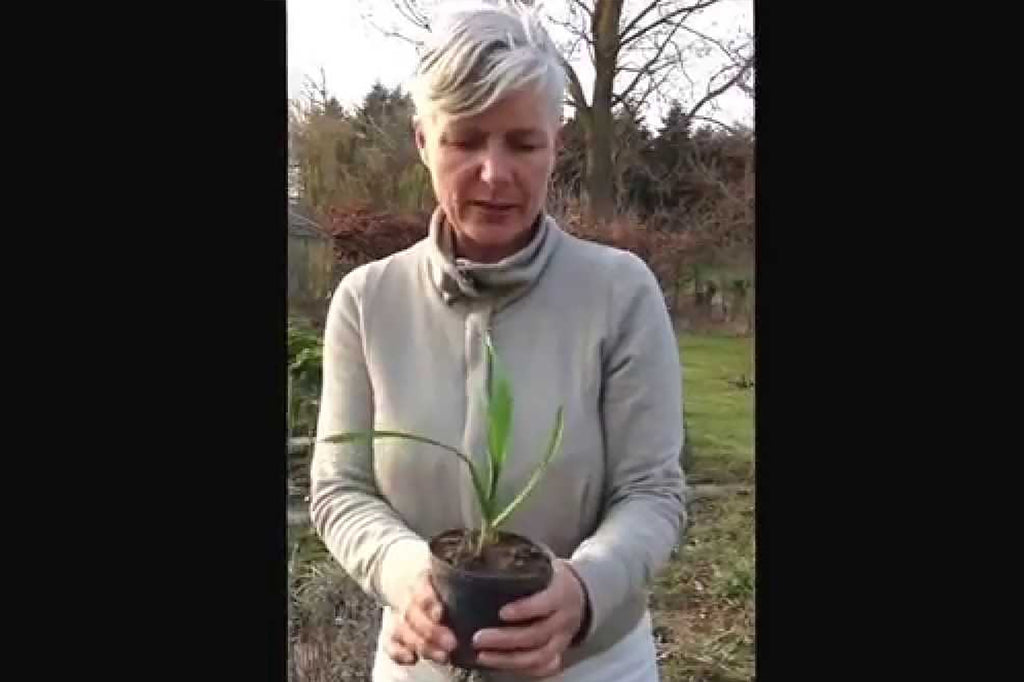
[
  {"x": 571, "y": 49},
  {"x": 577, "y": 32},
  {"x": 582, "y": 6},
  {"x": 419, "y": 16},
  {"x": 718, "y": 73},
  {"x": 718, "y": 91},
  {"x": 411, "y": 13},
  {"x": 575, "y": 89},
  {"x": 634, "y": 69},
  {"x": 626, "y": 38},
  {"x": 734, "y": 56},
  {"x": 731, "y": 129},
  {"x": 653, "y": 86},
  {"x": 747, "y": 89},
  {"x": 392, "y": 33},
  {"x": 637, "y": 19},
  {"x": 650, "y": 63},
  {"x": 648, "y": 71}
]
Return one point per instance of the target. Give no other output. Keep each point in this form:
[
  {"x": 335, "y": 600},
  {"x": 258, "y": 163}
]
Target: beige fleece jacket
[{"x": 576, "y": 324}]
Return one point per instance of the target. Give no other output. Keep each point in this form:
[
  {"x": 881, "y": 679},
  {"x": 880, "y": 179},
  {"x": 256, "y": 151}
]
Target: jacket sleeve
[
  {"x": 641, "y": 404},
  {"x": 359, "y": 527}
]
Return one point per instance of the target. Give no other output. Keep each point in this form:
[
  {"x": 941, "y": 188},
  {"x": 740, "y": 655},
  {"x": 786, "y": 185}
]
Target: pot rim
[{"x": 479, "y": 576}]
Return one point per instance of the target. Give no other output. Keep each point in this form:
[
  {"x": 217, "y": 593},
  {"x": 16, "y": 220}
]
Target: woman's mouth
[{"x": 493, "y": 206}]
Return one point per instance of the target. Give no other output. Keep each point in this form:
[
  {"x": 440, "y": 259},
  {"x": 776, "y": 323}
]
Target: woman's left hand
[{"x": 536, "y": 649}]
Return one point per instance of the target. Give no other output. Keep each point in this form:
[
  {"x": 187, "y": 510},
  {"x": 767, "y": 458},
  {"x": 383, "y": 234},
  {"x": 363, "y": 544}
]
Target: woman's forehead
[
  {"x": 513, "y": 128},
  {"x": 519, "y": 109},
  {"x": 522, "y": 114}
]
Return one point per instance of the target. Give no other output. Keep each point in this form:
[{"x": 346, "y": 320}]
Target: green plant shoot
[{"x": 499, "y": 438}]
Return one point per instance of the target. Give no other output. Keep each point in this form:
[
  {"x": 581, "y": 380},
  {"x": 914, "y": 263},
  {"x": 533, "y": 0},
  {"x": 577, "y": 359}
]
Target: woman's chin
[
  {"x": 493, "y": 234},
  {"x": 494, "y": 219}
]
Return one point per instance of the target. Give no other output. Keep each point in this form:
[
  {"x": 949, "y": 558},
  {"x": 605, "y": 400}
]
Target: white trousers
[{"x": 631, "y": 659}]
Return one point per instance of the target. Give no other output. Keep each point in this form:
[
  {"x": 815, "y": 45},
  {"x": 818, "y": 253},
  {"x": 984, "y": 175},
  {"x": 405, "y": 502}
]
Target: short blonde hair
[{"x": 479, "y": 52}]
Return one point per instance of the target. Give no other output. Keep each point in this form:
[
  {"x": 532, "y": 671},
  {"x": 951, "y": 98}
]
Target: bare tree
[{"x": 639, "y": 50}]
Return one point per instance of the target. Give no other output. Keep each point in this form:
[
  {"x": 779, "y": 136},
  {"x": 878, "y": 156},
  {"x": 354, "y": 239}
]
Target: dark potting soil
[{"x": 510, "y": 555}]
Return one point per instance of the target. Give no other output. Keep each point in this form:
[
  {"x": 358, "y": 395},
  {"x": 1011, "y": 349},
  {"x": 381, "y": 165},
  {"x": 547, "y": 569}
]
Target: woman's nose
[{"x": 495, "y": 167}]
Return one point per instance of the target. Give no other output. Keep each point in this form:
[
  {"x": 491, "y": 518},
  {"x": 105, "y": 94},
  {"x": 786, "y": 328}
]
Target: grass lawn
[
  {"x": 703, "y": 601},
  {"x": 719, "y": 415}
]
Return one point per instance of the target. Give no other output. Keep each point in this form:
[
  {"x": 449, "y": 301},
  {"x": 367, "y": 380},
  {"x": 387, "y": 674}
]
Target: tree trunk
[
  {"x": 600, "y": 181},
  {"x": 600, "y": 186}
]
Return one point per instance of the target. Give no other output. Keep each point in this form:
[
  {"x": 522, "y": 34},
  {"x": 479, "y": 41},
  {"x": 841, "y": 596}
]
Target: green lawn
[
  {"x": 719, "y": 415},
  {"x": 703, "y": 601}
]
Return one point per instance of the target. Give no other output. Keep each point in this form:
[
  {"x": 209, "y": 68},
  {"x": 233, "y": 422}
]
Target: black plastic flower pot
[{"x": 473, "y": 593}]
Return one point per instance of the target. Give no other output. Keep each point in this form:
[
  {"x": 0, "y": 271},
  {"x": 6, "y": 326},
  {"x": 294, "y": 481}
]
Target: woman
[{"x": 576, "y": 324}]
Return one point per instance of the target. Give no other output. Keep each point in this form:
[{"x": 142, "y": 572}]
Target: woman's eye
[
  {"x": 525, "y": 145},
  {"x": 465, "y": 143}
]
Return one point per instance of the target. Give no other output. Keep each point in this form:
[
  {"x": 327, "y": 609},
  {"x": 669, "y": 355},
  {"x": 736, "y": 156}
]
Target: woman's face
[{"x": 490, "y": 172}]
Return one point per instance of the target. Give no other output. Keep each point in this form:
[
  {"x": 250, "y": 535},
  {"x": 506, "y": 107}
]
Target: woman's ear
[{"x": 420, "y": 135}]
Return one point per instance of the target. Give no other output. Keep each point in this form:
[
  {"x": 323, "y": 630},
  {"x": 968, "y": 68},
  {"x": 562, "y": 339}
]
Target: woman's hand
[
  {"x": 536, "y": 649},
  {"x": 418, "y": 630}
]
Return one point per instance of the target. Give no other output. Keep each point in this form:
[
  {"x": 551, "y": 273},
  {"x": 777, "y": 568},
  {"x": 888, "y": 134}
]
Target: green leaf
[
  {"x": 478, "y": 484},
  {"x": 499, "y": 418},
  {"x": 554, "y": 445}
]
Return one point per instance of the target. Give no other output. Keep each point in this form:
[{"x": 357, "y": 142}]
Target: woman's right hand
[{"x": 418, "y": 630}]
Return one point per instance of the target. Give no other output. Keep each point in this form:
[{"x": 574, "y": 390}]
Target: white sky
[{"x": 332, "y": 34}]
